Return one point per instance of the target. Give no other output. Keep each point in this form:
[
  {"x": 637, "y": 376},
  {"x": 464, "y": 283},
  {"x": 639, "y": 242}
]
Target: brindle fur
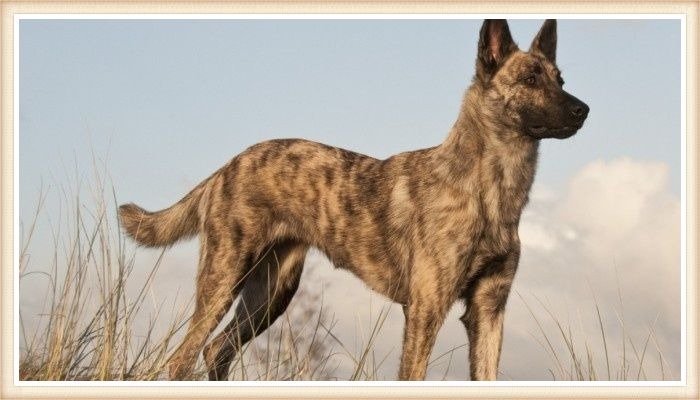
[{"x": 424, "y": 228}]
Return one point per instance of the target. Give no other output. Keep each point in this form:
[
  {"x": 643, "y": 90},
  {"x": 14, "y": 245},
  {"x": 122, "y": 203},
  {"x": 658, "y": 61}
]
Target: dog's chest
[
  {"x": 482, "y": 225},
  {"x": 501, "y": 199}
]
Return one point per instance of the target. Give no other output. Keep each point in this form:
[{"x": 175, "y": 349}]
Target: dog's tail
[{"x": 164, "y": 227}]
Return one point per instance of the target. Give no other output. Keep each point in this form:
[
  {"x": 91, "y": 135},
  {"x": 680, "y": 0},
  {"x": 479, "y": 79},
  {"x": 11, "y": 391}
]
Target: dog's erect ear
[
  {"x": 495, "y": 45},
  {"x": 545, "y": 42}
]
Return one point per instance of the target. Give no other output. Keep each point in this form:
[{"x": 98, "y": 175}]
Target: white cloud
[
  {"x": 610, "y": 199},
  {"x": 536, "y": 236},
  {"x": 615, "y": 232}
]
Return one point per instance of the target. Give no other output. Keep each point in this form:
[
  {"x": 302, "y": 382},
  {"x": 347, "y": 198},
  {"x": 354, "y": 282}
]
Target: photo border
[{"x": 11, "y": 11}]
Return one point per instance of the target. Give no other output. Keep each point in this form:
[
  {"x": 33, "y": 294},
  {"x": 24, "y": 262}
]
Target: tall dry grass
[
  {"x": 580, "y": 356},
  {"x": 85, "y": 328}
]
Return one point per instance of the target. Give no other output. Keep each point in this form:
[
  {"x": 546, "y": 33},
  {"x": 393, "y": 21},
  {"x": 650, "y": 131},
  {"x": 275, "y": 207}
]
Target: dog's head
[{"x": 527, "y": 86}]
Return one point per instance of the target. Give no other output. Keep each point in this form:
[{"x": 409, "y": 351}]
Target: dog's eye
[{"x": 530, "y": 80}]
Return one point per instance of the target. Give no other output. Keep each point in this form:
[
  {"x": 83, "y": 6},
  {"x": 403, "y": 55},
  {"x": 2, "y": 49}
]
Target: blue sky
[
  {"x": 165, "y": 103},
  {"x": 170, "y": 101}
]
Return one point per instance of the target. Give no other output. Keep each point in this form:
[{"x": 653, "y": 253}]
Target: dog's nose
[{"x": 579, "y": 110}]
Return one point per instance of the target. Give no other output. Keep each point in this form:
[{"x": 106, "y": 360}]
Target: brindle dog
[{"x": 424, "y": 228}]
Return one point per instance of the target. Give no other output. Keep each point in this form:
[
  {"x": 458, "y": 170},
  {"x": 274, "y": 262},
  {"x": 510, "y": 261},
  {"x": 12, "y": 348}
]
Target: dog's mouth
[
  {"x": 537, "y": 129},
  {"x": 558, "y": 132}
]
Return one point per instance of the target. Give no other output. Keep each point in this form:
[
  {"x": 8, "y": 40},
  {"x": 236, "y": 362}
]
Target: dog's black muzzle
[{"x": 572, "y": 113}]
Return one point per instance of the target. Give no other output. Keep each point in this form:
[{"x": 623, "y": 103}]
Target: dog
[{"x": 424, "y": 228}]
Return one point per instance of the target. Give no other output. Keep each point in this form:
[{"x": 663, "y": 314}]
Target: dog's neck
[{"x": 505, "y": 160}]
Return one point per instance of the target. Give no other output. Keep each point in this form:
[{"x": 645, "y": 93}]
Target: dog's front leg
[
  {"x": 485, "y": 305},
  {"x": 423, "y": 321}
]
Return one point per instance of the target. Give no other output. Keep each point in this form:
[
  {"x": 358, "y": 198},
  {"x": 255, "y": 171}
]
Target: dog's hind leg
[
  {"x": 221, "y": 273},
  {"x": 266, "y": 294}
]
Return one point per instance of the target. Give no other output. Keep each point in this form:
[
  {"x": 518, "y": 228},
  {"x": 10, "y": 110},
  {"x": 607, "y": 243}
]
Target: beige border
[{"x": 9, "y": 8}]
